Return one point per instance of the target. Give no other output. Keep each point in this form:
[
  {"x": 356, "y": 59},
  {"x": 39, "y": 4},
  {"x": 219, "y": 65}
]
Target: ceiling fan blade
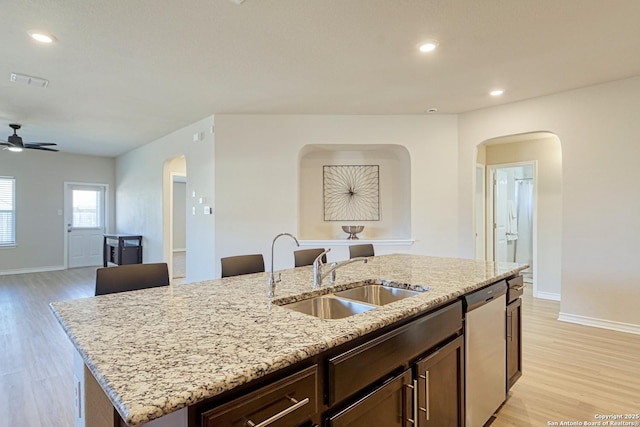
[
  {"x": 40, "y": 144},
  {"x": 37, "y": 147}
]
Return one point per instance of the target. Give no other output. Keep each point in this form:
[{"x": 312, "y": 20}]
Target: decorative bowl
[{"x": 352, "y": 230}]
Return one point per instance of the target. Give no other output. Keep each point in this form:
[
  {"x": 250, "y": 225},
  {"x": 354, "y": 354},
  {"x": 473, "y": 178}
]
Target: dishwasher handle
[{"x": 484, "y": 296}]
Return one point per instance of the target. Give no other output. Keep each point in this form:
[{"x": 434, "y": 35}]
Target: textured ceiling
[{"x": 126, "y": 72}]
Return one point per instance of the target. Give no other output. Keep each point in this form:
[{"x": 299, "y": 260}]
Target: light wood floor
[{"x": 571, "y": 372}]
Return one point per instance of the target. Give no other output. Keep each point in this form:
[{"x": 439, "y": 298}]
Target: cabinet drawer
[
  {"x": 515, "y": 288},
  {"x": 285, "y": 403},
  {"x": 355, "y": 369}
]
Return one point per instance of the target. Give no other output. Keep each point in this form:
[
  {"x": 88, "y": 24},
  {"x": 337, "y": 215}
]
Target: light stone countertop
[{"x": 158, "y": 350}]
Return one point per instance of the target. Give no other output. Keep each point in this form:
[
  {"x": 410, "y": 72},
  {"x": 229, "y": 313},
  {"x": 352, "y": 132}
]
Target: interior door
[
  {"x": 500, "y": 211},
  {"x": 85, "y": 214}
]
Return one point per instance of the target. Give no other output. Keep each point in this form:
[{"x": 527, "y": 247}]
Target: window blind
[{"x": 7, "y": 211}]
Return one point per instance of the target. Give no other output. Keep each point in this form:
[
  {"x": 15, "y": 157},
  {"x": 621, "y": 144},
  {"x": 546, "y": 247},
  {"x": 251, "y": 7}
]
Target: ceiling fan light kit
[{"x": 15, "y": 144}]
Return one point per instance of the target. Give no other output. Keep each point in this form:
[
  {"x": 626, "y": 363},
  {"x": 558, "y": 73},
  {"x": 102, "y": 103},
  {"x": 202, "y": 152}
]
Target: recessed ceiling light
[
  {"x": 42, "y": 36},
  {"x": 432, "y": 110},
  {"x": 496, "y": 92},
  {"x": 428, "y": 46}
]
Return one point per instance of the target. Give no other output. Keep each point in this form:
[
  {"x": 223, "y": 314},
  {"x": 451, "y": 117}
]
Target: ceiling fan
[{"x": 14, "y": 142}]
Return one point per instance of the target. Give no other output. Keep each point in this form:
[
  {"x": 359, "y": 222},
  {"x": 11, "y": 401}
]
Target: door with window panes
[{"x": 85, "y": 214}]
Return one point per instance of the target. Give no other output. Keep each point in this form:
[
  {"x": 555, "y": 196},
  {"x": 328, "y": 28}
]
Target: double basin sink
[{"x": 351, "y": 301}]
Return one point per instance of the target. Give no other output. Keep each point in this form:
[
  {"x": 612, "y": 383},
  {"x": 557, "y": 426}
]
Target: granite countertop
[{"x": 158, "y": 350}]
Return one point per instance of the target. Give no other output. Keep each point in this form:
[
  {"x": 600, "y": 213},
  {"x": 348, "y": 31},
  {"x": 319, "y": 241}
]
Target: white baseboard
[
  {"x": 600, "y": 323},
  {"x": 547, "y": 295},
  {"x": 32, "y": 270}
]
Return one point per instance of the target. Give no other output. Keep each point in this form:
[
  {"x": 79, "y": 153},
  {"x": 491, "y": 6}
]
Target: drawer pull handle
[
  {"x": 296, "y": 405},
  {"x": 414, "y": 394},
  {"x": 426, "y": 410}
]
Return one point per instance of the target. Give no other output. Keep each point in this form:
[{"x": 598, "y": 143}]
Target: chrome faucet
[
  {"x": 318, "y": 275},
  {"x": 271, "y": 284}
]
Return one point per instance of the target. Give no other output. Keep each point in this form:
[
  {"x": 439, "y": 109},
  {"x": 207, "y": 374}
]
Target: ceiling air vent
[{"x": 29, "y": 80}]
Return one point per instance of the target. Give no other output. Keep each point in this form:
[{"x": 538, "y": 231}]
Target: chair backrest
[
  {"x": 131, "y": 277},
  {"x": 242, "y": 264},
  {"x": 307, "y": 256},
  {"x": 361, "y": 250}
]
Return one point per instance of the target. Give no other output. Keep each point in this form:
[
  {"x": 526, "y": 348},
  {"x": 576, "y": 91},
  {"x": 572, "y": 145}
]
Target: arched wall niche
[{"x": 394, "y": 190}]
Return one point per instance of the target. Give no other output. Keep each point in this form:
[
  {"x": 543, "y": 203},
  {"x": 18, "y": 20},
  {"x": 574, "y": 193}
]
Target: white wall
[
  {"x": 140, "y": 195},
  {"x": 257, "y": 184},
  {"x": 40, "y": 225},
  {"x": 598, "y": 129}
]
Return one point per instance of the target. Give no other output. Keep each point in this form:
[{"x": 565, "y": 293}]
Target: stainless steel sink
[
  {"x": 376, "y": 294},
  {"x": 328, "y": 307}
]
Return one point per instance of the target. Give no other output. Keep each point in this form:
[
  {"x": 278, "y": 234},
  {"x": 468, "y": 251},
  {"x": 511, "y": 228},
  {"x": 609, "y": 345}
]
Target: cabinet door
[
  {"x": 440, "y": 386},
  {"x": 388, "y": 406},
  {"x": 514, "y": 342}
]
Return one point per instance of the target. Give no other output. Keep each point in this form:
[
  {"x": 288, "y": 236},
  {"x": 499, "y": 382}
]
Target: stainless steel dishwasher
[{"x": 485, "y": 353}]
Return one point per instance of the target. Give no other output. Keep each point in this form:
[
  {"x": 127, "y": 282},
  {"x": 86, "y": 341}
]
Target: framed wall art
[{"x": 351, "y": 192}]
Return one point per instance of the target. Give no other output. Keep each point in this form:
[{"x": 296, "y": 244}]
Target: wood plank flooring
[
  {"x": 571, "y": 372},
  {"x": 36, "y": 358}
]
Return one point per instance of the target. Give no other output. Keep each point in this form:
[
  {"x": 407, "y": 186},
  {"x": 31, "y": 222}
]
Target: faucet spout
[
  {"x": 319, "y": 275},
  {"x": 271, "y": 284}
]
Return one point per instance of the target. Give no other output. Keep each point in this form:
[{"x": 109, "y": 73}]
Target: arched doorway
[
  {"x": 503, "y": 156},
  {"x": 174, "y": 216}
]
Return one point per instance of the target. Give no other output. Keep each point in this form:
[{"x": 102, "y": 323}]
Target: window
[
  {"x": 87, "y": 208},
  {"x": 7, "y": 211}
]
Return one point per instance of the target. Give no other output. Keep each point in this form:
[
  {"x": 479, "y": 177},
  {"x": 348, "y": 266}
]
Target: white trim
[
  {"x": 599, "y": 323},
  {"x": 32, "y": 270},
  {"x": 345, "y": 242},
  {"x": 180, "y": 250},
  {"x": 547, "y": 295},
  {"x": 480, "y": 230}
]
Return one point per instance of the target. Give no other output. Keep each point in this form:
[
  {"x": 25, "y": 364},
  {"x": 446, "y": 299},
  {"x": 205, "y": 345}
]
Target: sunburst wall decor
[{"x": 351, "y": 192}]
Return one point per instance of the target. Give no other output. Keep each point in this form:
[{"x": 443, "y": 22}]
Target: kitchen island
[{"x": 156, "y": 351}]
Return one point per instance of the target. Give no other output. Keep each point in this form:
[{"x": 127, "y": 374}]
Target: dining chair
[
  {"x": 307, "y": 256},
  {"x": 131, "y": 277},
  {"x": 363, "y": 250},
  {"x": 242, "y": 264}
]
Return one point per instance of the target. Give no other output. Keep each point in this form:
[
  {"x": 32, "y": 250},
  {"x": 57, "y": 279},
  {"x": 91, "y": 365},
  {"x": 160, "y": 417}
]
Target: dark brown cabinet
[
  {"x": 440, "y": 386},
  {"x": 291, "y": 401},
  {"x": 514, "y": 342},
  {"x": 389, "y": 405},
  {"x": 514, "y": 329},
  {"x": 429, "y": 392},
  {"x": 388, "y": 352}
]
